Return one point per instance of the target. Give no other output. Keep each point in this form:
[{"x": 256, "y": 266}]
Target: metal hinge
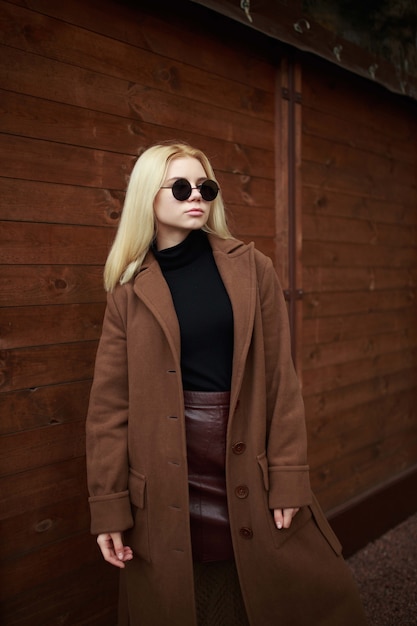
[
  {"x": 285, "y": 92},
  {"x": 290, "y": 294}
]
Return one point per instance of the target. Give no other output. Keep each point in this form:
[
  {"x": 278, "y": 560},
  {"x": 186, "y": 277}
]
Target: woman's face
[{"x": 175, "y": 218}]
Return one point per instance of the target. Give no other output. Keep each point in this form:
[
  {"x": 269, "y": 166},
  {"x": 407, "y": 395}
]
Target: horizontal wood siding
[
  {"x": 359, "y": 273},
  {"x": 85, "y": 87}
]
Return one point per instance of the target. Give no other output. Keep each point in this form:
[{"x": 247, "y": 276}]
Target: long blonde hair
[{"x": 137, "y": 226}]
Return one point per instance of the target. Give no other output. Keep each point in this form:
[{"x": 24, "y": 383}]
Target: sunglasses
[{"x": 181, "y": 189}]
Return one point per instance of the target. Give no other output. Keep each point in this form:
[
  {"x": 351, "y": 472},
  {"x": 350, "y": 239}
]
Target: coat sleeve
[
  {"x": 289, "y": 482},
  {"x": 106, "y": 429}
]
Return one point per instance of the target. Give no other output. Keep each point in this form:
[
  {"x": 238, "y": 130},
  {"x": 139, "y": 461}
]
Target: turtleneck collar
[{"x": 194, "y": 245}]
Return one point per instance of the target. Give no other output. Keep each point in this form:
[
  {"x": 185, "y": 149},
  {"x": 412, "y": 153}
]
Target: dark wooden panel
[
  {"x": 43, "y": 406},
  {"x": 372, "y": 345},
  {"x": 27, "y": 450},
  {"x": 168, "y": 34},
  {"x": 342, "y": 254},
  {"x": 34, "y": 201},
  {"x": 47, "y": 161},
  {"x": 59, "y": 600},
  {"x": 41, "y": 486},
  {"x": 322, "y": 304},
  {"x": 361, "y": 471},
  {"x": 44, "y": 244},
  {"x": 34, "y": 568},
  {"x": 337, "y": 127},
  {"x": 327, "y": 202},
  {"x": 47, "y": 365},
  {"x": 347, "y": 327},
  {"x": 41, "y": 325},
  {"x": 325, "y": 407},
  {"x": 341, "y": 94},
  {"x": 73, "y": 85},
  {"x": 362, "y": 231},
  {"x": 24, "y": 285},
  {"x": 35, "y": 529},
  {"x": 358, "y": 278},
  {"x": 344, "y": 373}
]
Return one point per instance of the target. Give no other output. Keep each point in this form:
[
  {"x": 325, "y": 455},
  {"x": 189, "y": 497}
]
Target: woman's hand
[
  {"x": 113, "y": 550},
  {"x": 283, "y": 517}
]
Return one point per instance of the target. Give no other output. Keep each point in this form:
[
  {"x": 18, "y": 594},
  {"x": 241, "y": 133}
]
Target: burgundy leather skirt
[{"x": 206, "y": 415}]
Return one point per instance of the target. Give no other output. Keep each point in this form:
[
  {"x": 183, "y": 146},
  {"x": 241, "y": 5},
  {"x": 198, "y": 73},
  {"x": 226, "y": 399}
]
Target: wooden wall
[
  {"x": 359, "y": 227},
  {"x": 85, "y": 87}
]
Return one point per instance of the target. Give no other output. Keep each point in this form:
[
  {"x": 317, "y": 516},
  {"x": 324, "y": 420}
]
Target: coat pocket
[{"x": 138, "y": 536}]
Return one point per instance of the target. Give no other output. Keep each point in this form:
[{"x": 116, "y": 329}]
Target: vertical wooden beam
[{"x": 288, "y": 193}]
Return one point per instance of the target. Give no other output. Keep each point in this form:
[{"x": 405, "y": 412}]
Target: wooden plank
[
  {"x": 38, "y": 160},
  {"x": 27, "y": 450},
  {"x": 354, "y": 475},
  {"x": 41, "y": 486},
  {"x": 50, "y": 284},
  {"x": 74, "y": 598},
  {"x": 131, "y": 63},
  {"x": 334, "y": 279},
  {"x": 336, "y": 179},
  {"x": 323, "y": 379},
  {"x": 47, "y": 365},
  {"x": 47, "y": 161},
  {"x": 328, "y": 405},
  {"x": 362, "y": 426},
  {"x": 370, "y": 345},
  {"x": 96, "y": 92},
  {"x": 250, "y": 221},
  {"x": 45, "y": 244},
  {"x": 376, "y": 415},
  {"x": 348, "y": 254},
  {"x": 43, "y": 406},
  {"x": 350, "y": 204},
  {"x": 41, "y": 325},
  {"x": 361, "y": 231},
  {"x": 37, "y": 201},
  {"x": 35, "y": 529},
  {"x": 377, "y": 168},
  {"x": 350, "y": 327},
  {"x": 40, "y": 118},
  {"x": 167, "y": 35},
  {"x": 34, "y": 569},
  {"x": 333, "y": 91},
  {"x": 323, "y": 305},
  {"x": 336, "y": 126}
]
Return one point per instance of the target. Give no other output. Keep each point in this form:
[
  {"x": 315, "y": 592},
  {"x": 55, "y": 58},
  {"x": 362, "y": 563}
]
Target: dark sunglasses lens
[
  {"x": 209, "y": 190},
  {"x": 181, "y": 189}
]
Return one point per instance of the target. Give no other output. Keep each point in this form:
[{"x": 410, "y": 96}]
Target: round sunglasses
[{"x": 181, "y": 189}]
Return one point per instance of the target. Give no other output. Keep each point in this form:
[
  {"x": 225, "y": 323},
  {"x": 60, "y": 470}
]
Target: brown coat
[{"x": 137, "y": 465}]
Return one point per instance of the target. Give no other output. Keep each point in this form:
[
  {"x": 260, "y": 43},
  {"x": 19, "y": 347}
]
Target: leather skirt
[{"x": 206, "y": 416}]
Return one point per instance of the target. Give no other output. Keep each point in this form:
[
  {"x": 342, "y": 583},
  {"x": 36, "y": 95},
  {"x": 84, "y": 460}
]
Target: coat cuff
[
  {"x": 110, "y": 513},
  {"x": 289, "y": 487}
]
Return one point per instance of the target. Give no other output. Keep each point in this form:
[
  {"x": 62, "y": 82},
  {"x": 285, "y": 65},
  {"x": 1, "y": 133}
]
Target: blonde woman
[{"x": 196, "y": 442}]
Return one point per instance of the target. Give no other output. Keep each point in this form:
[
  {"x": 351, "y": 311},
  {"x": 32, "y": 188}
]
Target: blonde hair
[{"x": 137, "y": 227}]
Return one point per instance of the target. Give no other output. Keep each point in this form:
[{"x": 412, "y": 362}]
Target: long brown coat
[{"x": 137, "y": 464}]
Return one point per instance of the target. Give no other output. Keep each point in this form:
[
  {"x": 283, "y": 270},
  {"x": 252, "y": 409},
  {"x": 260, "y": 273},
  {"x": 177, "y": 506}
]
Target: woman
[{"x": 196, "y": 442}]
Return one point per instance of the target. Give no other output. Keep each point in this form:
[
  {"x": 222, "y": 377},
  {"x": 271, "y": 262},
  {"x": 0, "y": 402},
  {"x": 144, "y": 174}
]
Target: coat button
[
  {"x": 242, "y": 491},
  {"x": 246, "y": 533},
  {"x": 239, "y": 447}
]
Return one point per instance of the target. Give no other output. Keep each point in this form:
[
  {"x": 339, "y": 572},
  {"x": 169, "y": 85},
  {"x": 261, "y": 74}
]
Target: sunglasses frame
[{"x": 212, "y": 187}]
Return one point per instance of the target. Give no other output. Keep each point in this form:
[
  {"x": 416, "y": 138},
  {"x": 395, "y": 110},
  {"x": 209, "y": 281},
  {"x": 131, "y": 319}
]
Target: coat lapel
[
  {"x": 151, "y": 287},
  {"x": 235, "y": 263}
]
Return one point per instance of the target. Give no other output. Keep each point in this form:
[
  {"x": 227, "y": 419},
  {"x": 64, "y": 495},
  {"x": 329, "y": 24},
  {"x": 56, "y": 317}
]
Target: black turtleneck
[{"x": 204, "y": 313}]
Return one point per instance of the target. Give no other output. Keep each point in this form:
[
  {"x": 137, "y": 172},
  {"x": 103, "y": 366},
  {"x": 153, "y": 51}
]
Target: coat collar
[{"x": 235, "y": 262}]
